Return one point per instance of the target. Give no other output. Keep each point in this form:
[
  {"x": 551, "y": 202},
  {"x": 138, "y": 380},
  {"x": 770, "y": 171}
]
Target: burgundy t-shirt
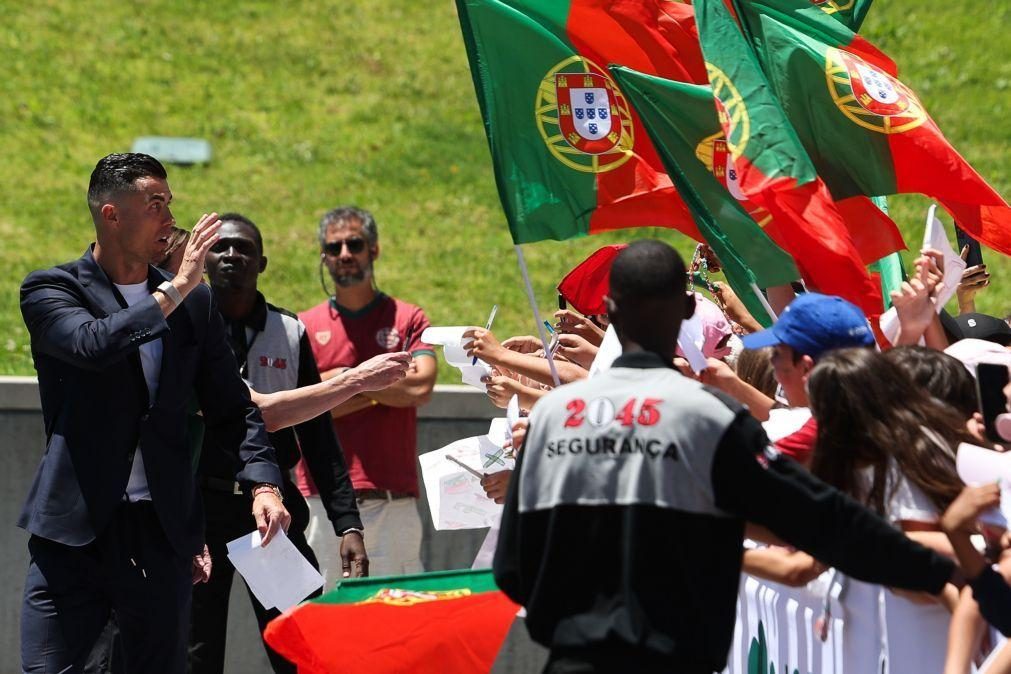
[{"x": 379, "y": 442}]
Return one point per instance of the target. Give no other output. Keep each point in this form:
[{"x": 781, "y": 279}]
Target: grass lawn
[{"x": 311, "y": 105}]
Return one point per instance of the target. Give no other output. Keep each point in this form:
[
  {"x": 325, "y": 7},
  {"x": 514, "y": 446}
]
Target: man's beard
[{"x": 346, "y": 280}]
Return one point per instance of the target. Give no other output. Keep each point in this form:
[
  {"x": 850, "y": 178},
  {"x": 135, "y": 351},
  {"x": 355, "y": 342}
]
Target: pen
[
  {"x": 491, "y": 319},
  {"x": 465, "y": 466},
  {"x": 553, "y": 346}
]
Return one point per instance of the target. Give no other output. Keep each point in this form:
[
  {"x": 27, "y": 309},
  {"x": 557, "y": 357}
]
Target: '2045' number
[{"x": 601, "y": 411}]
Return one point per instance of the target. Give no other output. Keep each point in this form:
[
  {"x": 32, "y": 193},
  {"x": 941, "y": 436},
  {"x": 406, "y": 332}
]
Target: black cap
[{"x": 981, "y": 326}]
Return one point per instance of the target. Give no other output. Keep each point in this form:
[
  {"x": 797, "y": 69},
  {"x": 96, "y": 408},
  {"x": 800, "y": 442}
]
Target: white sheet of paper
[
  {"x": 978, "y": 465},
  {"x": 449, "y": 486},
  {"x": 278, "y": 575},
  {"x": 610, "y": 349},
  {"x": 451, "y": 339},
  {"x": 690, "y": 340},
  {"x": 935, "y": 236},
  {"x": 486, "y": 553}
]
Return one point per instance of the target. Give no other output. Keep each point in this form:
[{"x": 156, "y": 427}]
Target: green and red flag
[
  {"x": 429, "y": 623},
  {"x": 570, "y": 155},
  {"x": 869, "y": 134},
  {"x": 773, "y": 169},
  {"x": 850, "y": 13},
  {"x": 681, "y": 120},
  {"x": 812, "y": 19}
]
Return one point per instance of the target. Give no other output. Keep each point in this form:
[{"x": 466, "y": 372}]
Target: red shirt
[
  {"x": 379, "y": 442},
  {"x": 799, "y": 445}
]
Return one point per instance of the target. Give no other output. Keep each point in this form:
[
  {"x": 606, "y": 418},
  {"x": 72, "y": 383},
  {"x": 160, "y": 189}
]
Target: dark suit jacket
[{"x": 96, "y": 408}]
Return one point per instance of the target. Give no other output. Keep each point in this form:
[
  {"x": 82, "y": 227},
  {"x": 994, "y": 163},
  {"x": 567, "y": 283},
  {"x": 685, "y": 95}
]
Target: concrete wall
[{"x": 455, "y": 412}]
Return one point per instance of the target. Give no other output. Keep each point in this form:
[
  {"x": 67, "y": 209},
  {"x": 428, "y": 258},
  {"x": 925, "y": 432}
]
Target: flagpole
[
  {"x": 537, "y": 314},
  {"x": 765, "y": 302}
]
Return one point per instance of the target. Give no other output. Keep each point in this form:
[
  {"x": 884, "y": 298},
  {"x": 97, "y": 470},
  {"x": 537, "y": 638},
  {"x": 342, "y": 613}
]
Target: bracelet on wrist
[{"x": 353, "y": 530}]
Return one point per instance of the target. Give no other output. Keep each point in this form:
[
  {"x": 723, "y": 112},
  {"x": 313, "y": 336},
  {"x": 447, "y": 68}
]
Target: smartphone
[
  {"x": 990, "y": 382},
  {"x": 562, "y": 305},
  {"x": 975, "y": 252}
]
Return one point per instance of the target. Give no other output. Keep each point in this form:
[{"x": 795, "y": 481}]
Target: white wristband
[{"x": 171, "y": 292}]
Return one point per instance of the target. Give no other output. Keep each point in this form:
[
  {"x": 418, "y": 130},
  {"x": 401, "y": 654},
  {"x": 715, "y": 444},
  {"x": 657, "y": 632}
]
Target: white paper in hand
[
  {"x": 456, "y": 499},
  {"x": 978, "y": 465},
  {"x": 935, "y": 236},
  {"x": 278, "y": 575},
  {"x": 690, "y": 340},
  {"x": 451, "y": 339}
]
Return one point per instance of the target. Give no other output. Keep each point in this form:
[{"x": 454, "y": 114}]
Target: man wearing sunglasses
[{"x": 377, "y": 429}]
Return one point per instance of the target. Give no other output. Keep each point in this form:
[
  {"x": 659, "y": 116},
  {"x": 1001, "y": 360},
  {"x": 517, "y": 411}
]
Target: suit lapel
[
  {"x": 100, "y": 291},
  {"x": 96, "y": 284}
]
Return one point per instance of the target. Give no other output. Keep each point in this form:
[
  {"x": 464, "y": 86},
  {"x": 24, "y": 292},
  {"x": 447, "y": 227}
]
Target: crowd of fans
[{"x": 879, "y": 421}]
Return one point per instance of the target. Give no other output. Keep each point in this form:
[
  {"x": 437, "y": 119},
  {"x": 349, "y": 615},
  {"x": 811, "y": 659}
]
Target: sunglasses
[{"x": 355, "y": 245}]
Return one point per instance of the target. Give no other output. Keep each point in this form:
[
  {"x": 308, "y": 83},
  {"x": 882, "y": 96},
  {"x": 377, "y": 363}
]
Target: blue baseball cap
[{"x": 816, "y": 323}]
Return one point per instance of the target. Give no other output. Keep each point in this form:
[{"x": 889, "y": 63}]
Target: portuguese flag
[
  {"x": 869, "y": 134},
  {"x": 773, "y": 169},
  {"x": 850, "y": 13},
  {"x": 682, "y": 123},
  {"x": 570, "y": 156},
  {"x": 429, "y": 623},
  {"x": 812, "y": 19}
]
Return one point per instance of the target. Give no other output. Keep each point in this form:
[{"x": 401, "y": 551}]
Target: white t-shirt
[{"x": 150, "y": 362}]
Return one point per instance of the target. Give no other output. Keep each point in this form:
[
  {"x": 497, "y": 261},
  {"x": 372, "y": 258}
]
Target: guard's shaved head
[{"x": 647, "y": 300}]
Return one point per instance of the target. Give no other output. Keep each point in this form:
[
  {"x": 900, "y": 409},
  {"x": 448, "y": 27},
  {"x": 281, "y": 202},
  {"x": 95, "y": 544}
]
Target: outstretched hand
[{"x": 381, "y": 371}]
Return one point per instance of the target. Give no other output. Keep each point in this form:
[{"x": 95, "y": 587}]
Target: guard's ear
[
  {"x": 374, "y": 250},
  {"x": 689, "y": 305},
  {"x": 612, "y": 308},
  {"x": 263, "y": 263}
]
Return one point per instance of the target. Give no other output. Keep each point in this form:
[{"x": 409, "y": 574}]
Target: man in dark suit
[{"x": 120, "y": 347}]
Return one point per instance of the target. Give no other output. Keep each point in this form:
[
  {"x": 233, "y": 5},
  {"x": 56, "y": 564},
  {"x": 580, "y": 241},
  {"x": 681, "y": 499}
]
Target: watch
[
  {"x": 171, "y": 292},
  {"x": 354, "y": 530},
  {"x": 262, "y": 487}
]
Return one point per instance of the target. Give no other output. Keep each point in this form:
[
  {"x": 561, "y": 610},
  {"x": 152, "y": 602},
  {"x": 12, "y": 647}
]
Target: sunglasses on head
[{"x": 355, "y": 245}]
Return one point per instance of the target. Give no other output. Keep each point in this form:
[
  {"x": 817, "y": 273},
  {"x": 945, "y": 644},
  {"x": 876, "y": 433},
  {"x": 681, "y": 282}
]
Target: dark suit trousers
[
  {"x": 228, "y": 517},
  {"x": 130, "y": 569}
]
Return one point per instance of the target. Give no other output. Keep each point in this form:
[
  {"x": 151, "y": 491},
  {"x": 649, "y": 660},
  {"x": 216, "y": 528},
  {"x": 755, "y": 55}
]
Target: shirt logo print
[{"x": 276, "y": 363}]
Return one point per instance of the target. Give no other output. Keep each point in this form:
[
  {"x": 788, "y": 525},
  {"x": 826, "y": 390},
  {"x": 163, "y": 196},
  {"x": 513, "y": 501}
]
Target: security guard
[{"x": 623, "y": 526}]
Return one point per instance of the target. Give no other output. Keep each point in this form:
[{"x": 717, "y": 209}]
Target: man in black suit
[{"x": 120, "y": 347}]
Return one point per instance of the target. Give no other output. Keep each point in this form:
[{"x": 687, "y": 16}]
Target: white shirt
[{"x": 150, "y": 362}]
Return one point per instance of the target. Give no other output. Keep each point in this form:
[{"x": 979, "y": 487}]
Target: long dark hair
[{"x": 869, "y": 411}]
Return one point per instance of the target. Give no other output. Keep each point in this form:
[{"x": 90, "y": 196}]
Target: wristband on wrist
[{"x": 171, "y": 292}]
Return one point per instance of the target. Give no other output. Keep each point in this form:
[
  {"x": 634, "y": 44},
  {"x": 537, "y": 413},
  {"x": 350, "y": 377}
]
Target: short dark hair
[
  {"x": 341, "y": 215},
  {"x": 243, "y": 220},
  {"x": 647, "y": 269},
  {"x": 118, "y": 173}
]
